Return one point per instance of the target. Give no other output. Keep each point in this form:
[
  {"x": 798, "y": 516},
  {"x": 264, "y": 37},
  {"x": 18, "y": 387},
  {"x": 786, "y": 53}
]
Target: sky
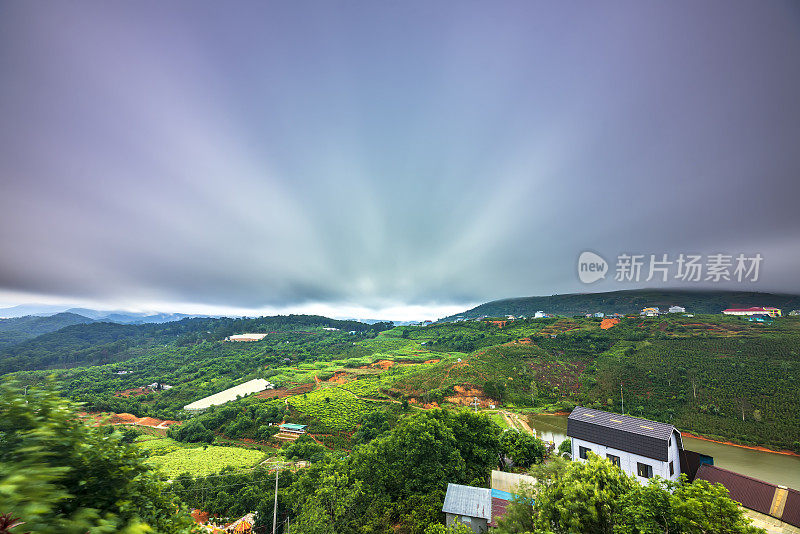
[{"x": 393, "y": 159}]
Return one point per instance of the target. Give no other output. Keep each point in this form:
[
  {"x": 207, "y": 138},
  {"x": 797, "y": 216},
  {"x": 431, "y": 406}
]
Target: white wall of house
[{"x": 628, "y": 461}]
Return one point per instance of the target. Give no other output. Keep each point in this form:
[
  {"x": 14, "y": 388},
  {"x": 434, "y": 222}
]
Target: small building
[
  {"x": 756, "y": 310},
  {"x": 539, "y": 315},
  {"x": 650, "y": 312},
  {"x": 677, "y": 309},
  {"x": 760, "y": 318},
  {"x": 246, "y": 337},
  {"x": 468, "y": 505},
  {"x": 771, "y": 506},
  {"x": 293, "y": 428},
  {"x": 599, "y": 315},
  {"x": 640, "y": 447}
]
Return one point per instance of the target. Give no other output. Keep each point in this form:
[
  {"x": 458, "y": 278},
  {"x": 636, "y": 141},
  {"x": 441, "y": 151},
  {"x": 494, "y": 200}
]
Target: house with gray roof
[
  {"x": 639, "y": 447},
  {"x": 468, "y": 505}
]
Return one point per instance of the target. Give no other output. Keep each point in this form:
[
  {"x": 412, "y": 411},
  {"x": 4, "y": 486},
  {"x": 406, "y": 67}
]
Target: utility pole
[
  {"x": 475, "y": 403},
  {"x": 275, "y": 507},
  {"x": 622, "y": 397}
]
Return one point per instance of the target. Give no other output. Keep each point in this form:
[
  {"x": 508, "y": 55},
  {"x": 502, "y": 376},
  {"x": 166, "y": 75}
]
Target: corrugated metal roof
[
  {"x": 469, "y": 501},
  {"x": 791, "y": 512},
  {"x": 753, "y": 493},
  {"x": 623, "y": 432}
]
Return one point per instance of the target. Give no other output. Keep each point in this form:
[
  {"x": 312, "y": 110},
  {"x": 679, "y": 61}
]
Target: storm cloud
[{"x": 389, "y": 154}]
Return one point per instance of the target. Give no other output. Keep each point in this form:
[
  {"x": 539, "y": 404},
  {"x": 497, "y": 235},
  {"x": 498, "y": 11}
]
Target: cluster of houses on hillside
[
  {"x": 641, "y": 448},
  {"x": 757, "y": 312}
]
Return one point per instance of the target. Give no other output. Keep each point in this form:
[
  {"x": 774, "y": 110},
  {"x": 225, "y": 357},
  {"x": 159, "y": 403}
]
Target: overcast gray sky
[{"x": 389, "y": 157}]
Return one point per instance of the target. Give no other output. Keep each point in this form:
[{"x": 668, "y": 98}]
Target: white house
[
  {"x": 650, "y": 312},
  {"x": 539, "y": 315},
  {"x": 677, "y": 309},
  {"x": 640, "y": 447}
]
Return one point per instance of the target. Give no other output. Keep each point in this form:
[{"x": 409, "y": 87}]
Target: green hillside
[
  {"x": 709, "y": 374},
  {"x": 629, "y": 302},
  {"x": 19, "y": 329}
]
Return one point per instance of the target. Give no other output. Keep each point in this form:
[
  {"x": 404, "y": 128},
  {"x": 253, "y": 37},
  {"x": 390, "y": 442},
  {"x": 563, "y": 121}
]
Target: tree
[
  {"x": 523, "y": 449},
  {"x": 597, "y": 497},
  {"x": 372, "y": 425},
  {"x": 455, "y": 528},
  {"x": 565, "y": 447},
  {"x": 62, "y": 476}
]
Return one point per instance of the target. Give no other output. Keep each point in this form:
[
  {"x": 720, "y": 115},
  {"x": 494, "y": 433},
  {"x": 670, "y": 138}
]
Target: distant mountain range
[
  {"x": 630, "y": 301},
  {"x": 19, "y": 329},
  {"x": 111, "y": 316}
]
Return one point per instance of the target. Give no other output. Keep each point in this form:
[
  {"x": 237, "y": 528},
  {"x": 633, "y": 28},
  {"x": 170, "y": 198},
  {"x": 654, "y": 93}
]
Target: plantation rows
[{"x": 334, "y": 408}]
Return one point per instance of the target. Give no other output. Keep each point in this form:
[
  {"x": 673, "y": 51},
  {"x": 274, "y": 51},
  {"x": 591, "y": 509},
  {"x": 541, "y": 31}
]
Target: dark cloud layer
[{"x": 255, "y": 154}]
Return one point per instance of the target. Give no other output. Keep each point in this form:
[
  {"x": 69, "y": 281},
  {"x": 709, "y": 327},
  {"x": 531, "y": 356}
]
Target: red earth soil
[
  {"x": 280, "y": 393},
  {"x": 133, "y": 392}
]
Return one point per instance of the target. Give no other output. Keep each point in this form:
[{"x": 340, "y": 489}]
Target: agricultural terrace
[
  {"x": 334, "y": 408},
  {"x": 172, "y": 458}
]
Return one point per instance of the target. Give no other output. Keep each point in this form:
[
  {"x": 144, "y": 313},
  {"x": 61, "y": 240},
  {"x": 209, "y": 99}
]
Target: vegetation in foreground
[{"x": 59, "y": 475}]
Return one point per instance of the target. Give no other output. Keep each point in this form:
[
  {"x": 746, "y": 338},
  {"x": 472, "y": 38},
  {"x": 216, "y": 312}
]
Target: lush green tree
[
  {"x": 565, "y": 447},
  {"x": 372, "y": 425},
  {"x": 304, "y": 448},
  {"x": 327, "y": 499},
  {"x": 62, "y": 476},
  {"x": 523, "y": 448},
  {"x": 191, "y": 432},
  {"x": 455, "y": 528},
  {"x": 597, "y": 497}
]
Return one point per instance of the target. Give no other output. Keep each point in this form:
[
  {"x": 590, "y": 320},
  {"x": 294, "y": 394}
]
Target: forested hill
[
  {"x": 19, "y": 329},
  {"x": 101, "y": 342},
  {"x": 630, "y": 301}
]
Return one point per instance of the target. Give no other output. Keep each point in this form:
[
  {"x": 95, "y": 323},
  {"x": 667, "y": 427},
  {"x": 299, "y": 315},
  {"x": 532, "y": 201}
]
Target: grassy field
[{"x": 173, "y": 458}]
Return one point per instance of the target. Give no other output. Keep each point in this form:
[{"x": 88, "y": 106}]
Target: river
[{"x": 770, "y": 467}]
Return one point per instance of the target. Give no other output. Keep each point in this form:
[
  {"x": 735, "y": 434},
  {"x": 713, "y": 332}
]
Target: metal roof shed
[{"x": 468, "y": 505}]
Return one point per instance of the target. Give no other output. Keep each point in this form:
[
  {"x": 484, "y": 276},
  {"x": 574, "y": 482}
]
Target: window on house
[
  {"x": 644, "y": 470},
  {"x": 613, "y": 459},
  {"x": 582, "y": 451},
  {"x": 671, "y": 469}
]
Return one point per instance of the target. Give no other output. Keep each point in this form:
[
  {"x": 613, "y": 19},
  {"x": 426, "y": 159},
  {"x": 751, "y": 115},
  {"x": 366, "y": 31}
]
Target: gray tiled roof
[
  {"x": 623, "y": 432},
  {"x": 468, "y": 500}
]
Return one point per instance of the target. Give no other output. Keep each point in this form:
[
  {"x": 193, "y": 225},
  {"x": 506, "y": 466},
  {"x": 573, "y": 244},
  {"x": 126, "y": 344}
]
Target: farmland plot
[
  {"x": 334, "y": 407},
  {"x": 172, "y": 459}
]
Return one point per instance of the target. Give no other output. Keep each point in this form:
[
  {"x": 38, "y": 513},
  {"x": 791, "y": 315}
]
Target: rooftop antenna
[{"x": 622, "y": 397}]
